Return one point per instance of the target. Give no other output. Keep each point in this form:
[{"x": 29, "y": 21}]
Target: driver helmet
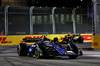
[
  {"x": 44, "y": 38},
  {"x": 70, "y": 35}
]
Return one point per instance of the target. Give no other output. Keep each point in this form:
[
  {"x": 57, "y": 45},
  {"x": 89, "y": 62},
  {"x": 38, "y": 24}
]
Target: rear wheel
[
  {"x": 73, "y": 48},
  {"x": 22, "y": 49},
  {"x": 80, "y": 39}
]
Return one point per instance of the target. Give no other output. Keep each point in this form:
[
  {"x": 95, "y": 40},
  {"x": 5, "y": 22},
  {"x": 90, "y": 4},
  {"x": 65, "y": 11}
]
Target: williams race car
[{"x": 48, "y": 48}]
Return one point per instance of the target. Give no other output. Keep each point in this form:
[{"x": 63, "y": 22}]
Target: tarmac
[{"x": 85, "y": 47}]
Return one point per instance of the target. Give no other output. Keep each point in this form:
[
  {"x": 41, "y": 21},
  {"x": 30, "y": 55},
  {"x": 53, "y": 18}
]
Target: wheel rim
[{"x": 36, "y": 52}]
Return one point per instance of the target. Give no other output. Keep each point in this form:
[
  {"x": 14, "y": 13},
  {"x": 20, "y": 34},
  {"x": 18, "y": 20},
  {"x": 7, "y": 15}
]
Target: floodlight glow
[{"x": 81, "y": 0}]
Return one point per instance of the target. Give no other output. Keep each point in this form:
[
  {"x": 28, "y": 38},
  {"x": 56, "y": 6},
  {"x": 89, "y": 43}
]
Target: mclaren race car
[{"x": 47, "y": 48}]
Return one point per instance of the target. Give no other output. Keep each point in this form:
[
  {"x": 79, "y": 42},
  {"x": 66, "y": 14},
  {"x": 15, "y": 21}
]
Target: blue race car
[{"x": 48, "y": 48}]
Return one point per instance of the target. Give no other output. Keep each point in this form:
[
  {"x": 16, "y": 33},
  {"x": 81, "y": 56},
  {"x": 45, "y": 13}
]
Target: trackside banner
[
  {"x": 96, "y": 41},
  {"x": 16, "y": 39}
]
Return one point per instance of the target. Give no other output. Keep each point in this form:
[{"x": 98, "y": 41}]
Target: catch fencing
[
  {"x": 44, "y": 20},
  {"x": 96, "y": 18}
]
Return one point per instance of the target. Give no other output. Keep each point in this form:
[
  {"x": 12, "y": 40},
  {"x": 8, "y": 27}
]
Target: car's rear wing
[
  {"x": 76, "y": 35},
  {"x": 31, "y": 39}
]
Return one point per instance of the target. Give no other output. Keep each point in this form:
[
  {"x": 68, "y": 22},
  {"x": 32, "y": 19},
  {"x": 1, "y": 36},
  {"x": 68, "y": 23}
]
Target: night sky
[{"x": 62, "y": 3}]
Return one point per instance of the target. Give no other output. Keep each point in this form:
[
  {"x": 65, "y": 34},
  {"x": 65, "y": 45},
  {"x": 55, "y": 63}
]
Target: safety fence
[{"x": 44, "y": 20}]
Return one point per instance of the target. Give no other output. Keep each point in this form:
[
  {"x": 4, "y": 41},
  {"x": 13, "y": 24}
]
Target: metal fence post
[
  {"x": 6, "y": 20},
  {"x": 74, "y": 24},
  {"x": 94, "y": 17},
  {"x": 31, "y": 20},
  {"x": 53, "y": 21}
]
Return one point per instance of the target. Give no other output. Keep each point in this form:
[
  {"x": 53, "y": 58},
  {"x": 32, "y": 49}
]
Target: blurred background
[{"x": 16, "y": 17}]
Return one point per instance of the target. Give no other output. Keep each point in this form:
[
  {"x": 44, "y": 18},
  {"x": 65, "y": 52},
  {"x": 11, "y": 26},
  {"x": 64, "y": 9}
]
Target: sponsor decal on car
[{"x": 33, "y": 37}]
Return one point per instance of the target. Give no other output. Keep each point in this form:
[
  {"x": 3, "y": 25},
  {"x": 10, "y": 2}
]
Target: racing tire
[
  {"x": 38, "y": 52},
  {"x": 81, "y": 53},
  {"x": 80, "y": 39},
  {"x": 75, "y": 49},
  {"x": 22, "y": 49}
]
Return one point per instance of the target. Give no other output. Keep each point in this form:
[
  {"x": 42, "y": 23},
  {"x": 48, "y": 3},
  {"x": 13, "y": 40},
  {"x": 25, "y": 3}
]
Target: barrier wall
[
  {"x": 16, "y": 39},
  {"x": 96, "y": 41}
]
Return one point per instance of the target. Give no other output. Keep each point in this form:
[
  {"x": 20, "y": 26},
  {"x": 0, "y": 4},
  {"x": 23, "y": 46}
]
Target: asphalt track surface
[{"x": 9, "y": 57}]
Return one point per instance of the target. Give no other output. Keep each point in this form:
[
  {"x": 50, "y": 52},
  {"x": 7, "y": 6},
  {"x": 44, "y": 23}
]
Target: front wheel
[
  {"x": 81, "y": 53},
  {"x": 74, "y": 48},
  {"x": 38, "y": 52}
]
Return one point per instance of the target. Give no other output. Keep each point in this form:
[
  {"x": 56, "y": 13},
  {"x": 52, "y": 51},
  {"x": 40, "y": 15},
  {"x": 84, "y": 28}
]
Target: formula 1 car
[
  {"x": 69, "y": 37},
  {"x": 47, "y": 48}
]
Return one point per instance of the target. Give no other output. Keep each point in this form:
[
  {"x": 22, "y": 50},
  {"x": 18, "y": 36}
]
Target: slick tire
[
  {"x": 74, "y": 48},
  {"x": 81, "y": 53},
  {"x": 22, "y": 49},
  {"x": 80, "y": 39},
  {"x": 38, "y": 52}
]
